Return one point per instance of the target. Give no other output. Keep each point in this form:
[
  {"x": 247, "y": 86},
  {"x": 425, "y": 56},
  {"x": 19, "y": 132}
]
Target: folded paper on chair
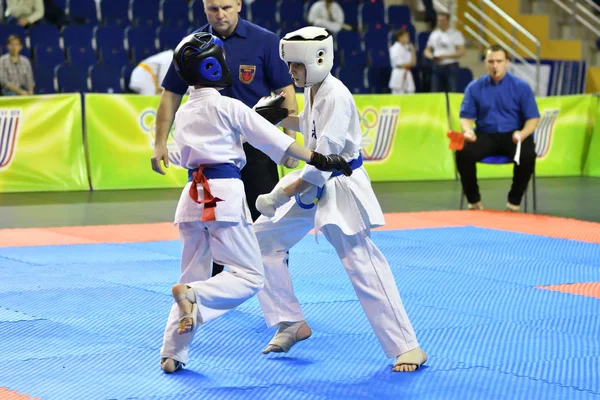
[{"x": 518, "y": 152}]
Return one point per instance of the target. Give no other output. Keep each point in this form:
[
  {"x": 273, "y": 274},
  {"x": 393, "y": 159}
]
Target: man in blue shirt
[
  {"x": 252, "y": 55},
  {"x": 504, "y": 112}
]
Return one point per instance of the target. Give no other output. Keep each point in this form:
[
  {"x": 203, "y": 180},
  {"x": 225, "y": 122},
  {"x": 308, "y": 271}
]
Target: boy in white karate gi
[
  {"x": 212, "y": 215},
  {"x": 345, "y": 213},
  {"x": 402, "y": 59}
]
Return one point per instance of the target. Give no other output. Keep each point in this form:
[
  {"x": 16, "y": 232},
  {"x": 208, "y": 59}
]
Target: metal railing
[
  {"x": 580, "y": 14},
  {"x": 479, "y": 17}
]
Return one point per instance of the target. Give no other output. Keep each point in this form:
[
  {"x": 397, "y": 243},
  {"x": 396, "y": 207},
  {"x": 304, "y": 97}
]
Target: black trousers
[
  {"x": 260, "y": 176},
  {"x": 495, "y": 144}
]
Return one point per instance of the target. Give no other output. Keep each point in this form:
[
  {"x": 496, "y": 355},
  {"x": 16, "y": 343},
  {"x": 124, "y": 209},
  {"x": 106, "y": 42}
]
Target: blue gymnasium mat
[{"x": 86, "y": 321}]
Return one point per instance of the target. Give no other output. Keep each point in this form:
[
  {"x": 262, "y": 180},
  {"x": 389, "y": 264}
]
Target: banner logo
[
  {"x": 147, "y": 122},
  {"x": 379, "y": 130},
  {"x": 544, "y": 132},
  {"x": 9, "y": 129}
]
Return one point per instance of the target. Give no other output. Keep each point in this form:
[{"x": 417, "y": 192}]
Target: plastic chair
[{"x": 502, "y": 160}]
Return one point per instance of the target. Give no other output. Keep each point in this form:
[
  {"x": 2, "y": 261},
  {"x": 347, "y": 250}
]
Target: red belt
[{"x": 209, "y": 201}]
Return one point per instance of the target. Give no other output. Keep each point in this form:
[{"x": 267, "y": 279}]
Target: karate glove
[
  {"x": 332, "y": 162},
  {"x": 266, "y": 204},
  {"x": 270, "y": 109}
]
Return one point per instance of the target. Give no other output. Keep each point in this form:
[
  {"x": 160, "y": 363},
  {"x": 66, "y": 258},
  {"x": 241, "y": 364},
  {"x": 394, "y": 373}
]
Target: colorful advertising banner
[
  {"x": 592, "y": 162},
  {"x": 561, "y": 138},
  {"x": 41, "y": 144},
  {"x": 404, "y": 137},
  {"x": 120, "y": 131}
]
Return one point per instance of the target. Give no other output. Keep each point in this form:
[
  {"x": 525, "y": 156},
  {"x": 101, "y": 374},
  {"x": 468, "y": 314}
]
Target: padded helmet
[
  {"x": 311, "y": 46},
  {"x": 199, "y": 60}
]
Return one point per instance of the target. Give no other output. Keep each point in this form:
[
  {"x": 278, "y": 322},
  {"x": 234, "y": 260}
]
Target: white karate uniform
[
  {"x": 401, "y": 79},
  {"x": 346, "y": 212},
  {"x": 208, "y": 130},
  {"x": 146, "y": 78}
]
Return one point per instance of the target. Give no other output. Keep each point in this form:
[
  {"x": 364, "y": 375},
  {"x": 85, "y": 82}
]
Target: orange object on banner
[{"x": 457, "y": 140}]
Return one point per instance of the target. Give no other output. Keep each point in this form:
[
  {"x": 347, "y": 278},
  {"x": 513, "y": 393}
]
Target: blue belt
[
  {"x": 217, "y": 171},
  {"x": 354, "y": 164}
]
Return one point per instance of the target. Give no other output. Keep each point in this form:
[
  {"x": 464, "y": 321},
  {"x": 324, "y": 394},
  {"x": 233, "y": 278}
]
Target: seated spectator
[
  {"x": 24, "y": 12},
  {"x": 147, "y": 76},
  {"x": 402, "y": 59},
  {"x": 445, "y": 47},
  {"x": 327, "y": 14},
  {"x": 16, "y": 75},
  {"x": 505, "y": 115}
]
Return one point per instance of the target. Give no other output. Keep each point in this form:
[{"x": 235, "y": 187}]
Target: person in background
[
  {"x": 24, "y": 12},
  {"x": 147, "y": 76},
  {"x": 402, "y": 59},
  {"x": 16, "y": 75},
  {"x": 445, "y": 47},
  {"x": 328, "y": 14}
]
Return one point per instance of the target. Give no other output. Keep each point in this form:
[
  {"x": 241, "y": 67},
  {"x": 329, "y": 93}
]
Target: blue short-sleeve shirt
[
  {"x": 252, "y": 56},
  {"x": 499, "y": 107}
]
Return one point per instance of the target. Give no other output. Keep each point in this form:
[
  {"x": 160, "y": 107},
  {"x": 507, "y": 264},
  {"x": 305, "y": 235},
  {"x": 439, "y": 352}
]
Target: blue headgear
[{"x": 199, "y": 60}]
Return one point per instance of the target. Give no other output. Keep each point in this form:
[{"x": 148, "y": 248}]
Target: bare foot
[
  {"x": 187, "y": 309},
  {"x": 288, "y": 335},
  {"x": 410, "y": 361}
]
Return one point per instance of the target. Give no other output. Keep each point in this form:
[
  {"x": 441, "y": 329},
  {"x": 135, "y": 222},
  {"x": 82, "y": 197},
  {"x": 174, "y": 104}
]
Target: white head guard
[{"x": 311, "y": 46}]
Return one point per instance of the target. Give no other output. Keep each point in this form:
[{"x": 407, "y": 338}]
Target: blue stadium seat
[
  {"x": 71, "y": 79},
  {"x": 262, "y": 10},
  {"x": 422, "y": 39},
  {"x": 125, "y": 77},
  {"x": 76, "y": 35},
  {"x": 398, "y": 15},
  {"x": 113, "y": 56},
  {"x": 82, "y": 11},
  {"x": 139, "y": 54},
  {"x": 377, "y": 37},
  {"x": 378, "y": 57},
  {"x": 174, "y": 13},
  {"x": 378, "y": 79},
  {"x": 48, "y": 55},
  {"x": 115, "y": 12},
  {"x": 464, "y": 78},
  {"x": 82, "y": 56},
  {"x": 144, "y": 13},
  {"x": 371, "y": 13},
  {"x": 348, "y": 40},
  {"x": 350, "y": 8},
  {"x": 197, "y": 15},
  {"x": 354, "y": 57},
  {"x": 108, "y": 37},
  {"x": 289, "y": 11},
  {"x": 62, "y": 4},
  {"x": 44, "y": 35},
  {"x": 9, "y": 29},
  {"x": 307, "y": 5},
  {"x": 353, "y": 78},
  {"x": 141, "y": 37},
  {"x": 105, "y": 79},
  {"x": 44, "y": 79},
  {"x": 170, "y": 36}
]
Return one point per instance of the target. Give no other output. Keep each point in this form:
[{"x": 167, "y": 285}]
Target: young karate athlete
[
  {"x": 345, "y": 213},
  {"x": 212, "y": 214}
]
